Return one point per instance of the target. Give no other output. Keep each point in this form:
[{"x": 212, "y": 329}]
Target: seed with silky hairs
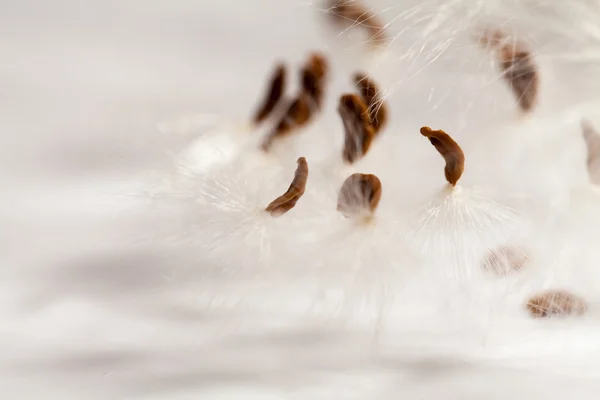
[
  {"x": 360, "y": 194},
  {"x": 555, "y": 303},
  {"x": 449, "y": 150},
  {"x": 358, "y": 130},
  {"x": 274, "y": 94}
]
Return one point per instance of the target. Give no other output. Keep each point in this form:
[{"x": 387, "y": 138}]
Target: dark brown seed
[
  {"x": 353, "y": 13},
  {"x": 297, "y": 115},
  {"x": 359, "y": 131},
  {"x": 592, "y": 142},
  {"x": 312, "y": 78},
  {"x": 370, "y": 93},
  {"x": 360, "y": 194},
  {"x": 555, "y": 303},
  {"x": 274, "y": 94},
  {"x": 306, "y": 104},
  {"x": 288, "y": 200},
  {"x": 505, "y": 260},
  {"x": 450, "y": 150}
]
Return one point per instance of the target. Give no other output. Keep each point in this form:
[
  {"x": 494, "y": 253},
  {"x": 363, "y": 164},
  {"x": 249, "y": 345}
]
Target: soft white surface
[{"x": 120, "y": 282}]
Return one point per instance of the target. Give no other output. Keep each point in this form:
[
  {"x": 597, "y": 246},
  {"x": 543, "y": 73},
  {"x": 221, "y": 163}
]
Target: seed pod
[
  {"x": 450, "y": 150},
  {"x": 555, "y": 303},
  {"x": 352, "y": 13},
  {"x": 360, "y": 194},
  {"x": 359, "y": 131},
  {"x": 288, "y": 200},
  {"x": 274, "y": 94},
  {"x": 369, "y": 91},
  {"x": 592, "y": 142}
]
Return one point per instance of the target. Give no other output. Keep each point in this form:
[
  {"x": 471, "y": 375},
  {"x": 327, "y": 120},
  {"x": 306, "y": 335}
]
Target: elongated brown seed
[
  {"x": 358, "y": 130},
  {"x": 312, "y": 78},
  {"x": 592, "y": 142},
  {"x": 274, "y": 94},
  {"x": 353, "y": 13},
  {"x": 450, "y": 150},
  {"x": 296, "y": 116},
  {"x": 517, "y": 65},
  {"x": 359, "y": 195},
  {"x": 288, "y": 200},
  {"x": 370, "y": 93},
  {"x": 306, "y": 104},
  {"x": 555, "y": 303}
]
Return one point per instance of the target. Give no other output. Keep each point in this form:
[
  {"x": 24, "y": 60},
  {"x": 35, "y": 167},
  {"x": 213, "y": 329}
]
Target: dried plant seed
[
  {"x": 274, "y": 94},
  {"x": 359, "y": 131},
  {"x": 555, "y": 303},
  {"x": 592, "y": 142},
  {"x": 288, "y": 200},
  {"x": 505, "y": 260},
  {"x": 360, "y": 194},
  {"x": 352, "y": 13},
  {"x": 521, "y": 74},
  {"x": 449, "y": 150},
  {"x": 369, "y": 91}
]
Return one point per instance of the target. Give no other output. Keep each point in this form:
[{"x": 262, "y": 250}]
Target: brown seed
[
  {"x": 353, "y": 13},
  {"x": 313, "y": 76},
  {"x": 520, "y": 72},
  {"x": 505, "y": 260},
  {"x": 274, "y": 94},
  {"x": 359, "y": 131},
  {"x": 288, "y": 200},
  {"x": 370, "y": 93},
  {"x": 360, "y": 193},
  {"x": 555, "y": 303},
  {"x": 592, "y": 142},
  {"x": 306, "y": 104},
  {"x": 450, "y": 150},
  {"x": 518, "y": 67}
]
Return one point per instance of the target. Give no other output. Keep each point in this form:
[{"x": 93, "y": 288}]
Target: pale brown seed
[
  {"x": 450, "y": 150},
  {"x": 354, "y": 13},
  {"x": 521, "y": 74},
  {"x": 555, "y": 303},
  {"x": 592, "y": 142},
  {"x": 288, "y": 200},
  {"x": 358, "y": 130},
  {"x": 274, "y": 94},
  {"x": 505, "y": 260},
  {"x": 378, "y": 110},
  {"x": 517, "y": 65},
  {"x": 360, "y": 194}
]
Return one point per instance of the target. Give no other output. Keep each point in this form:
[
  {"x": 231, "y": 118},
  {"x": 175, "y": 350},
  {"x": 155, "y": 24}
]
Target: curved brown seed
[
  {"x": 450, "y": 150},
  {"x": 274, "y": 94},
  {"x": 296, "y": 116},
  {"x": 369, "y": 91},
  {"x": 592, "y": 142},
  {"x": 359, "y": 131},
  {"x": 360, "y": 193},
  {"x": 353, "y": 13},
  {"x": 555, "y": 303},
  {"x": 288, "y": 200}
]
